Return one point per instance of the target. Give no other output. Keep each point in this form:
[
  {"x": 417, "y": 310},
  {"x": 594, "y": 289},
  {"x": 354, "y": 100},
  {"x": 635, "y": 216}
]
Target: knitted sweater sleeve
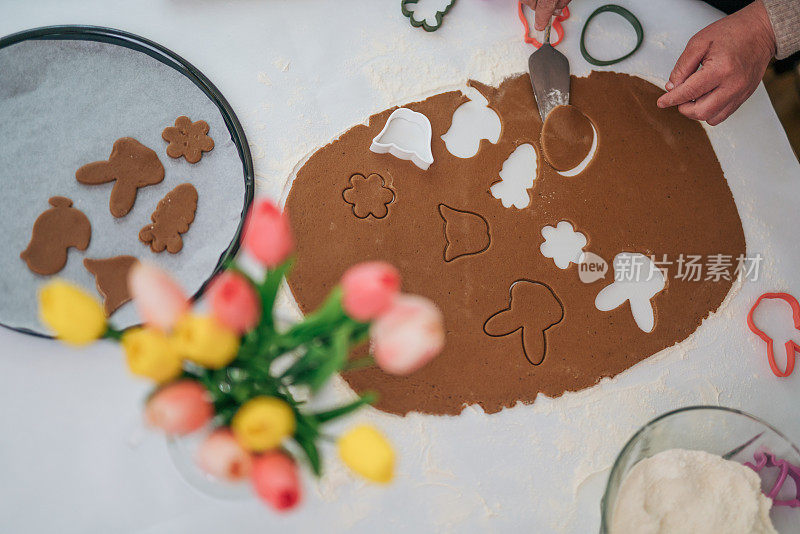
[{"x": 785, "y": 18}]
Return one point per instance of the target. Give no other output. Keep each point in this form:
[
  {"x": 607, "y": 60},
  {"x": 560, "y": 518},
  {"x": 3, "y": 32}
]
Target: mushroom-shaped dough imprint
[{"x": 636, "y": 280}]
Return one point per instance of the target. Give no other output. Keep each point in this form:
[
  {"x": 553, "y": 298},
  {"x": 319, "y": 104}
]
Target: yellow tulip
[
  {"x": 73, "y": 315},
  {"x": 262, "y": 423},
  {"x": 151, "y": 354},
  {"x": 367, "y": 452},
  {"x": 204, "y": 341}
]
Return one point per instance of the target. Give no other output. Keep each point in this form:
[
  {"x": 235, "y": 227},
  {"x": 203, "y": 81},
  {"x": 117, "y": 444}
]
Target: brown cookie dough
[
  {"x": 369, "y": 196},
  {"x": 188, "y": 139},
  {"x": 465, "y": 233},
  {"x": 111, "y": 279},
  {"x": 172, "y": 217},
  {"x": 566, "y": 137},
  {"x": 632, "y": 197},
  {"x": 130, "y": 166},
  {"x": 54, "y": 231},
  {"x": 532, "y": 310}
]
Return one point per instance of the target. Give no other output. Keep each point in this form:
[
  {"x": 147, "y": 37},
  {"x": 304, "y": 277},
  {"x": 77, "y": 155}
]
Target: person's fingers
[
  {"x": 688, "y": 62},
  {"x": 561, "y": 4},
  {"x": 707, "y": 106},
  {"x": 733, "y": 102},
  {"x": 698, "y": 84},
  {"x": 530, "y": 3},
  {"x": 544, "y": 10},
  {"x": 726, "y": 112}
]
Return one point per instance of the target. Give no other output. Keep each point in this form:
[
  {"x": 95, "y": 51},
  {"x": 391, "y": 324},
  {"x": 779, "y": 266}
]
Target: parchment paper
[{"x": 63, "y": 104}]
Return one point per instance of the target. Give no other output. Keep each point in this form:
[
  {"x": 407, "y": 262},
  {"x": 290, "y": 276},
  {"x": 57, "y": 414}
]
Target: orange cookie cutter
[
  {"x": 791, "y": 346},
  {"x": 557, "y": 27}
]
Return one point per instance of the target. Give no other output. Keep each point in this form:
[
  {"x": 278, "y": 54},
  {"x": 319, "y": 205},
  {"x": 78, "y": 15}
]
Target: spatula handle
[{"x": 547, "y": 31}]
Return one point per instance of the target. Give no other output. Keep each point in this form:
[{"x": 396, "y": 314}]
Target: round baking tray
[{"x": 176, "y": 62}]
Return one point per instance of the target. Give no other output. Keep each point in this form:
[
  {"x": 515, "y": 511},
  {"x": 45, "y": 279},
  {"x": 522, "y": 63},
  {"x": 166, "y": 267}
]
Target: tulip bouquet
[{"x": 234, "y": 373}]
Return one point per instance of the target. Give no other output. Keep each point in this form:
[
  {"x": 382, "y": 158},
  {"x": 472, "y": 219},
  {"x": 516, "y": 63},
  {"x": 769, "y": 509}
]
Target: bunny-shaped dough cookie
[{"x": 131, "y": 165}]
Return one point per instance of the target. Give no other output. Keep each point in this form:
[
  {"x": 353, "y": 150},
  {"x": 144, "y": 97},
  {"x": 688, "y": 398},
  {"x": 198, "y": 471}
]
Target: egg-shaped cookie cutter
[{"x": 622, "y": 12}]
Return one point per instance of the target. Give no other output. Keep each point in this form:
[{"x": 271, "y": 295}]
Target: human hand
[
  {"x": 544, "y": 10},
  {"x": 721, "y": 66}
]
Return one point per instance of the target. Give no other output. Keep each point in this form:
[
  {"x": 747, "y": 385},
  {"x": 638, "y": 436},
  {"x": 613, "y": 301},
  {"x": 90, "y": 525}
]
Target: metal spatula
[{"x": 549, "y": 71}]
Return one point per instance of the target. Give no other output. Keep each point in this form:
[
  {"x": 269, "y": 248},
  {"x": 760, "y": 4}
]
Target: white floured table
[{"x": 73, "y": 455}]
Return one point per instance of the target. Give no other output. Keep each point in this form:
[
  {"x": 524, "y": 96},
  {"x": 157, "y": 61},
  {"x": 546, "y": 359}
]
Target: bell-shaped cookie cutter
[
  {"x": 791, "y": 346},
  {"x": 394, "y": 140}
]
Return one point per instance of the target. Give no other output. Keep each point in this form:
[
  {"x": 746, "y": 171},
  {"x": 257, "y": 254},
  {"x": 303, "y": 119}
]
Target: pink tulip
[
  {"x": 408, "y": 335},
  {"x": 234, "y": 302},
  {"x": 369, "y": 289},
  {"x": 267, "y": 236},
  {"x": 276, "y": 481},
  {"x": 221, "y": 456},
  {"x": 159, "y": 300},
  {"x": 179, "y": 408}
]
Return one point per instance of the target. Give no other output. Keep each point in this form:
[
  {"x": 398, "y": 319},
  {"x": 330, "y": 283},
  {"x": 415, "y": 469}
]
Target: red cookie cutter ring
[
  {"x": 557, "y": 27},
  {"x": 791, "y": 346}
]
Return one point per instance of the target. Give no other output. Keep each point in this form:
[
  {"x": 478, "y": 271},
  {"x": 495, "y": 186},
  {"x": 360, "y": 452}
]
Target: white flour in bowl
[{"x": 683, "y": 491}]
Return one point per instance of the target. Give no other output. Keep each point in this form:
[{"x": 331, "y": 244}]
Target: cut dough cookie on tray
[
  {"x": 54, "y": 232},
  {"x": 130, "y": 166},
  {"x": 172, "y": 217}
]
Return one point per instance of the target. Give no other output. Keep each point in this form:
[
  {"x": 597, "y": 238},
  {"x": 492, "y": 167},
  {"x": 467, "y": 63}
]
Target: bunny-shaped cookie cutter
[
  {"x": 791, "y": 346},
  {"x": 557, "y": 27}
]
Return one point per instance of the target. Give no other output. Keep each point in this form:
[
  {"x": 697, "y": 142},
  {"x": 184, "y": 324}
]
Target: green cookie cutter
[
  {"x": 424, "y": 22},
  {"x": 624, "y": 13}
]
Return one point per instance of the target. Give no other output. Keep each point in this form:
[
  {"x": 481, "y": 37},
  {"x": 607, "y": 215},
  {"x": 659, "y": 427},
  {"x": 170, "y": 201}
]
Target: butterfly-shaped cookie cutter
[
  {"x": 791, "y": 346},
  {"x": 557, "y": 27},
  {"x": 765, "y": 460}
]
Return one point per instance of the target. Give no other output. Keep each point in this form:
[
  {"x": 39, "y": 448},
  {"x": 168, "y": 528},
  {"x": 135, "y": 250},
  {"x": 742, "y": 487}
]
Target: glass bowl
[
  {"x": 183, "y": 449},
  {"x": 729, "y": 433}
]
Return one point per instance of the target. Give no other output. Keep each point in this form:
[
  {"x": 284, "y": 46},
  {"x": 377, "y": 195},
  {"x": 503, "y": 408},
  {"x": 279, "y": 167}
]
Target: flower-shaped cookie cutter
[
  {"x": 764, "y": 460},
  {"x": 406, "y": 135},
  {"x": 557, "y": 27},
  {"x": 404, "y": 7},
  {"x": 791, "y": 346}
]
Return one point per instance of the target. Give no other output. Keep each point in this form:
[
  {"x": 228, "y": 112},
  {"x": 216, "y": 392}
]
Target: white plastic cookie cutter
[{"x": 406, "y": 135}]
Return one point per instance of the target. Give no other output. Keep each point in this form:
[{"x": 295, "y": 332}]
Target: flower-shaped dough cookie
[
  {"x": 188, "y": 139},
  {"x": 368, "y": 196}
]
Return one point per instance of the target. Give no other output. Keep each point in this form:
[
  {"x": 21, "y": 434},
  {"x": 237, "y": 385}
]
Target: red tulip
[
  {"x": 179, "y": 408},
  {"x": 221, "y": 456},
  {"x": 159, "y": 300},
  {"x": 369, "y": 289},
  {"x": 234, "y": 302},
  {"x": 276, "y": 480},
  {"x": 408, "y": 335},
  {"x": 267, "y": 236}
]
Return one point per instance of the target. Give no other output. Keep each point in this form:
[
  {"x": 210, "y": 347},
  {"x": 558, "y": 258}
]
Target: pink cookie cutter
[{"x": 764, "y": 460}]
